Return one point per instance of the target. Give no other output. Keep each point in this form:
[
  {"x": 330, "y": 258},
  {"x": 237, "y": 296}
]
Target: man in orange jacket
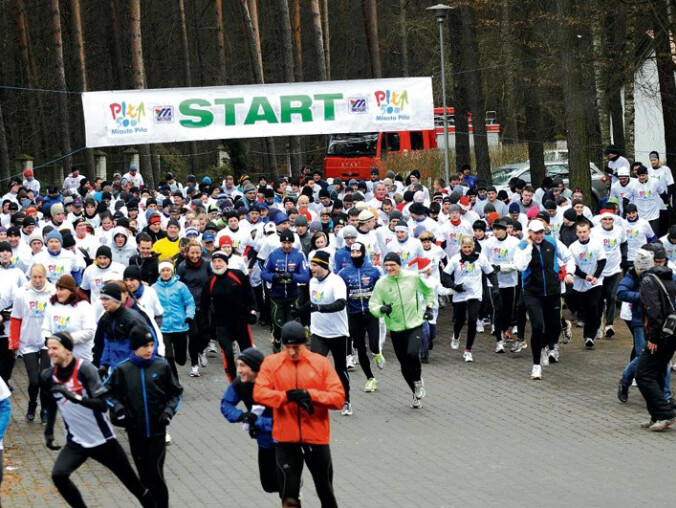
[{"x": 301, "y": 387}]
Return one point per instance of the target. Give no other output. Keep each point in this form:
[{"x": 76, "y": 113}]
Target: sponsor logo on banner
[
  {"x": 393, "y": 105},
  {"x": 163, "y": 114},
  {"x": 128, "y": 117},
  {"x": 357, "y": 105}
]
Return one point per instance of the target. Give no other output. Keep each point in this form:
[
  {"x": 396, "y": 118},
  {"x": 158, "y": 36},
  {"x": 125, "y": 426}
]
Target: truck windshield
[{"x": 351, "y": 145}]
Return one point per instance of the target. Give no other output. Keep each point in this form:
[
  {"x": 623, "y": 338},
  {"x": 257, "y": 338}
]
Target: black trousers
[
  {"x": 7, "y": 359},
  {"x": 197, "y": 339},
  {"x": 544, "y": 313},
  {"x": 149, "y": 454},
  {"x": 360, "y": 325},
  {"x": 469, "y": 309},
  {"x": 226, "y": 336},
  {"x": 650, "y": 376},
  {"x": 607, "y": 302},
  {"x": 589, "y": 302},
  {"x": 280, "y": 315},
  {"x": 504, "y": 311},
  {"x": 290, "y": 458},
  {"x": 337, "y": 346},
  {"x": 406, "y": 346},
  {"x": 109, "y": 454},
  {"x": 267, "y": 469},
  {"x": 36, "y": 363},
  {"x": 176, "y": 349}
]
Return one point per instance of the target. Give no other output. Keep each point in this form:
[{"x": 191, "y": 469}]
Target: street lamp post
[{"x": 440, "y": 12}]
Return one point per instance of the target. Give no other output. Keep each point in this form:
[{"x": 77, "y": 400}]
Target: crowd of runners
[{"x": 113, "y": 293}]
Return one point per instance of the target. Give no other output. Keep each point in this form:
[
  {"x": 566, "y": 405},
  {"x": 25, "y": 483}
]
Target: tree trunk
[
  {"x": 269, "y": 157},
  {"x": 629, "y": 110},
  {"x": 665, "y": 73},
  {"x": 617, "y": 118},
  {"x": 4, "y": 151},
  {"x": 78, "y": 40},
  {"x": 187, "y": 72},
  {"x": 138, "y": 73},
  {"x": 600, "y": 74},
  {"x": 319, "y": 39},
  {"x": 34, "y": 104},
  {"x": 253, "y": 13},
  {"x": 574, "y": 101},
  {"x": 62, "y": 98},
  {"x": 403, "y": 37},
  {"x": 475, "y": 97},
  {"x": 326, "y": 38},
  {"x": 462, "y": 155},
  {"x": 220, "y": 43},
  {"x": 294, "y": 15},
  {"x": 285, "y": 24},
  {"x": 116, "y": 48},
  {"x": 510, "y": 130},
  {"x": 370, "y": 12}
]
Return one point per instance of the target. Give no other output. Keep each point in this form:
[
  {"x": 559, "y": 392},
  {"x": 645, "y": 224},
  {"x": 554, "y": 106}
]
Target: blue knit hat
[{"x": 54, "y": 234}]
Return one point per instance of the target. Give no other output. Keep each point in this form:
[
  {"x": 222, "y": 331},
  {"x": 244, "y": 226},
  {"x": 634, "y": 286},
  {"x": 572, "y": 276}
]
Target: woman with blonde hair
[{"x": 26, "y": 336}]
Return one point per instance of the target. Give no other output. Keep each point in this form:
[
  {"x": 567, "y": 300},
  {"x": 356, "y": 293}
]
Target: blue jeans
[{"x": 629, "y": 371}]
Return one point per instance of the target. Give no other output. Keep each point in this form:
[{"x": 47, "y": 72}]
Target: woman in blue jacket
[
  {"x": 257, "y": 419},
  {"x": 179, "y": 312}
]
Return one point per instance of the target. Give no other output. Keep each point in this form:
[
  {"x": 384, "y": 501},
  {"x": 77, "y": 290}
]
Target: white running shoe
[
  {"x": 350, "y": 362},
  {"x": 212, "y": 347},
  {"x": 455, "y": 343},
  {"x": 609, "y": 331},
  {"x": 467, "y": 356},
  {"x": 195, "y": 371},
  {"x": 554, "y": 354},
  {"x": 536, "y": 373},
  {"x": 167, "y": 439},
  {"x": 500, "y": 346},
  {"x": 415, "y": 403},
  {"x": 567, "y": 332},
  {"x": 419, "y": 386},
  {"x": 480, "y": 326},
  {"x": 544, "y": 357},
  {"x": 599, "y": 334},
  {"x": 347, "y": 409},
  {"x": 202, "y": 359},
  {"x": 515, "y": 330}
]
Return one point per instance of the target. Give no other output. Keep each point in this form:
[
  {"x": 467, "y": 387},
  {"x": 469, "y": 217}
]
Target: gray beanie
[{"x": 645, "y": 260}]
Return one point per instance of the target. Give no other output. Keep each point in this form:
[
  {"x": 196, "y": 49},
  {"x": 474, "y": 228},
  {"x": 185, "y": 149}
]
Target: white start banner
[{"x": 132, "y": 117}]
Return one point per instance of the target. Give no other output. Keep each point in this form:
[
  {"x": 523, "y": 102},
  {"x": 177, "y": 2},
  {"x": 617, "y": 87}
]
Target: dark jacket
[
  {"x": 568, "y": 234},
  {"x": 628, "y": 291},
  {"x": 146, "y": 389},
  {"x": 148, "y": 266},
  {"x": 293, "y": 265},
  {"x": 111, "y": 342},
  {"x": 541, "y": 277},
  {"x": 243, "y": 392},
  {"x": 194, "y": 277},
  {"x": 227, "y": 299},
  {"x": 656, "y": 305}
]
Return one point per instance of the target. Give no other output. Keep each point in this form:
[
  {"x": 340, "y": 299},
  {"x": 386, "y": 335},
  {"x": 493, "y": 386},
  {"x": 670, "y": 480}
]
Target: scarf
[{"x": 139, "y": 362}]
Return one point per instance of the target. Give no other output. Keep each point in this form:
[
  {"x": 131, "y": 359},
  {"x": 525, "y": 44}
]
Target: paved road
[{"x": 487, "y": 435}]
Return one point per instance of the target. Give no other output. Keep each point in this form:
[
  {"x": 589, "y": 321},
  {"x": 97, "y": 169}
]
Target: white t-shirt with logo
[
  {"x": 328, "y": 324},
  {"x": 501, "y": 253},
  {"x": 469, "y": 275},
  {"x": 586, "y": 257},
  {"x": 611, "y": 241}
]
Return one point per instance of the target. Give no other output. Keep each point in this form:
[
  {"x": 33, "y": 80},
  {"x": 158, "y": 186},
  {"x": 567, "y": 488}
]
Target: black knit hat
[
  {"x": 252, "y": 357},
  {"x": 64, "y": 338},
  {"x": 321, "y": 258},
  {"x": 132, "y": 272},
  {"x": 104, "y": 250},
  {"x": 392, "y": 257},
  {"x": 111, "y": 291},
  {"x": 139, "y": 336},
  {"x": 286, "y": 236},
  {"x": 293, "y": 333}
]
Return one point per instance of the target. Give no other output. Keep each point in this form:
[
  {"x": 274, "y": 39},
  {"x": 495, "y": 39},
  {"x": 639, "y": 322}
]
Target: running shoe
[
  {"x": 589, "y": 343},
  {"x": 567, "y": 332},
  {"x": 467, "y": 356},
  {"x": 480, "y": 326},
  {"x": 515, "y": 330},
  {"x": 455, "y": 342},
  {"x": 536, "y": 373},
  {"x": 355, "y": 356},
  {"x": 347, "y": 409},
  {"x": 371, "y": 385},
  {"x": 202, "y": 359},
  {"x": 419, "y": 389},
  {"x": 167, "y": 439},
  {"x": 599, "y": 334},
  {"x": 212, "y": 347},
  {"x": 544, "y": 357},
  {"x": 379, "y": 359},
  {"x": 554, "y": 354},
  {"x": 609, "y": 331},
  {"x": 506, "y": 336},
  {"x": 518, "y": 346},
  {"x": 580, "y": 323},
  {"x": 623, "y": 392},
  {"x": 661, "y": 425},
  {"x": 634, "y": 383},
  {"x": 415, "y": 403},
  {"x": 500, "y": 346},
  {"x": 195, "y": 371},
  {"x": 43, "y": 416},
  {"x": 30, "y": 414},
  {"x": 350, "y": 362},
  {"x": 647, "y": 424}
]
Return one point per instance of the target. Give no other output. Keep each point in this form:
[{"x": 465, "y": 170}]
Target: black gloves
[
  {"x": 314, "y": 307},
  {"x": 189, "y": 320},
  {"x": 58, "y": 388},
  {"x": 294, "y": 311},
  {"x": 103, "y": 372},
  {"x": 386, "y": 309},
  {"x": 298, "y": 395},
  {"x": 49, "y": 441},
  {"x": 249, "y": 418},
  {"x": 459, "y": 288},
  {"x": 165, "y": 417},
  {"x": 277, "y": 277},
  {"x": 496, "y": 268},
  {"x": 282, "y": 278},
  {"x": 428, "y": 314},
  {"x": 118, "y": 415},
  {"x": 251, "y": 318}
]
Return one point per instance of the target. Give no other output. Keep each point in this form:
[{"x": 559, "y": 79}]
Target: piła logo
[
  {"x": 392, "y": 104},
  {"x": 128, "y": 117}
]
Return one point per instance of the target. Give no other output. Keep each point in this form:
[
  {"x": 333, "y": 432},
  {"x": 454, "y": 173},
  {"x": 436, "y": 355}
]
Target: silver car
[{"x": 503, "y": 174}]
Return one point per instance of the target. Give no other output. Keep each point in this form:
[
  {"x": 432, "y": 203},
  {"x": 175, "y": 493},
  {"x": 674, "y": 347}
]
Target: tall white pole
[{"x": 443, "y": 95}]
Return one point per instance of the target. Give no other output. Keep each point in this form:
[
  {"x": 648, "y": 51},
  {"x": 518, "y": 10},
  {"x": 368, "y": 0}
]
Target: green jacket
[{"x": 401, "y": 293}]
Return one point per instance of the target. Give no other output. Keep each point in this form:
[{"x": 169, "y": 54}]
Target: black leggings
[
  {"x": 470, "y": 308},
  {"x": 148, "y": 454},
  {"x": 267, "y": 469},
  {"x": 290, "y": 457},
  {"x": 337, "y": 346},
  {"x": 360, "y": 325},
  {"x": 503, "y": 312},
  {"x": 111, "y": 455},
  {"x": 176, "y": 348},
  {"x": 226, "y": 337},
  {"x": 198, "y": 339},
  {"x": 406, "y": 346},
  {"x": 545, "y": 322},
  {"x": 7, "y": 359},
  {"x": 280, "y": 312},
  {"x": 36, "y": 363},
  {"x": 607, "y": 303}
]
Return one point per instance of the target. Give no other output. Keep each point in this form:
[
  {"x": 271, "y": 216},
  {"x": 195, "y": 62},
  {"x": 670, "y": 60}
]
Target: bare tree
[
  {"x": 294, "y": 14},
  {"x": 220, "y": 43},
  {"x": 253, "y": 14},
  {"x": 64, "y": 124},
  {"x": 326, "y": 37},
  {"x": 600, "y": 73},
  {"x": 319, "y": 39},
  {"x": 115, "y": 45},
  {"x": 665, "y": 73},
  {"x": 630, "y": 70},
  {"x": 187, "y": 71},
  {"x": 403, "y": 37},
  {"x": 462, "y": 153},
  {"x": 4, "y": 150},
  {"x": 370, "y": 12}
]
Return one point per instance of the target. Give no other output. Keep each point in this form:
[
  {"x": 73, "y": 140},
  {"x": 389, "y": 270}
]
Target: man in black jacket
[
  {"x": 657, "y": 298},
  {"x": 144, "y": 396},
  {"x": 146, "y": 259}
]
